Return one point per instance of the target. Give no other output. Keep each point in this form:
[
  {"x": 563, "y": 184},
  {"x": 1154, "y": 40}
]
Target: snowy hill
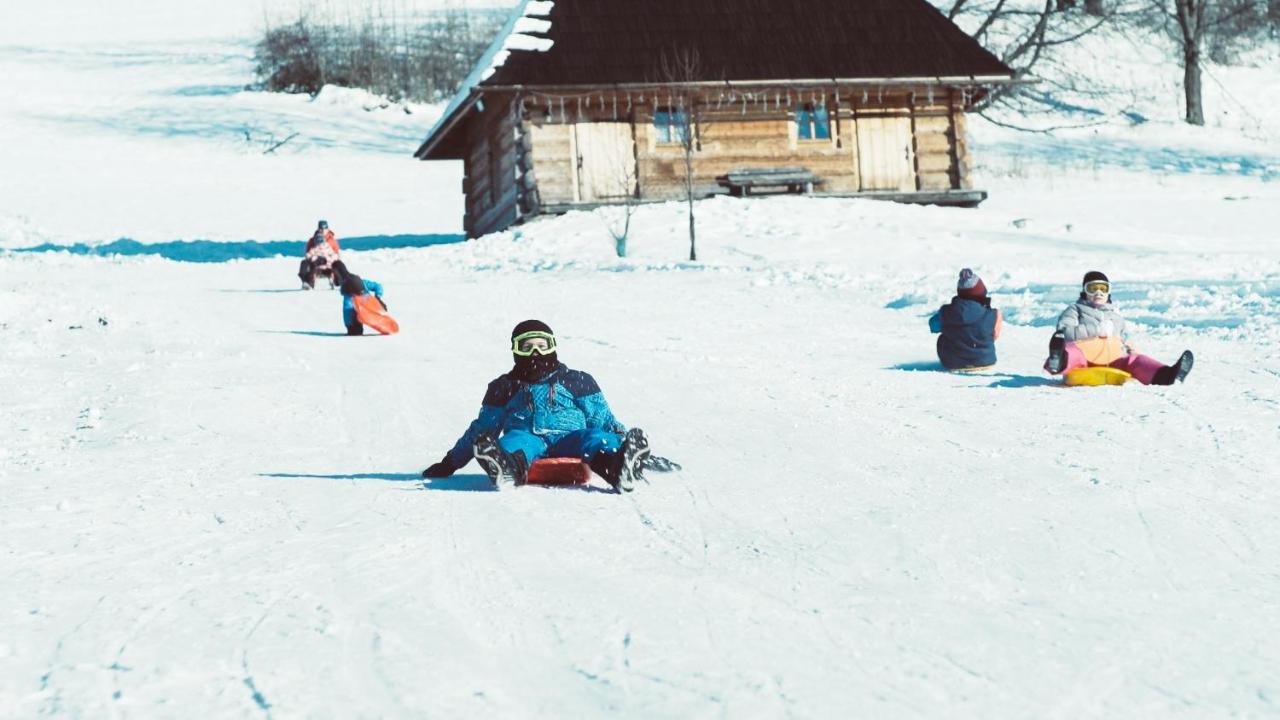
[{"x": 210, "y": 501}]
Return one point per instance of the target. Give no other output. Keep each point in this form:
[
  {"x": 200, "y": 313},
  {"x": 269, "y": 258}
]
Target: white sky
[{"x": 26, "y": 23}]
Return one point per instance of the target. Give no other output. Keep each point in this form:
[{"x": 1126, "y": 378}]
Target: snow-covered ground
[{"x": 210, "y": 502}]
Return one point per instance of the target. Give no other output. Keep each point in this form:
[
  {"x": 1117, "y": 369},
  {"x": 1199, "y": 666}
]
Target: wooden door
[
  {"x": 886, "y": 160},
  {"x": 605, "y": 161}
]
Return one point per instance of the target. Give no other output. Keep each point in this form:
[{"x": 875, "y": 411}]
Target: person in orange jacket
[{"x": 320, "y": 255}]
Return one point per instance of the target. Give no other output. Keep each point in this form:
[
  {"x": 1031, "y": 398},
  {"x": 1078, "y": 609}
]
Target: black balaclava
[
  {"x": 535, "y": 367},
  {"x": 340, "y": 271},
  {"x": 352, "y": 285}
]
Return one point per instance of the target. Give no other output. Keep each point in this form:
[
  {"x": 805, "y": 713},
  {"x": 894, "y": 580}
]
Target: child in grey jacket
[{"x": 1090, "y": 332}]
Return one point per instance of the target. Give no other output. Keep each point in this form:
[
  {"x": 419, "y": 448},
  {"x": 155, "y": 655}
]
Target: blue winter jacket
[
  {"x": 349, "y": 302},
  {"x": 968, "y": 330},
  {"x": 563, "y": 401}
]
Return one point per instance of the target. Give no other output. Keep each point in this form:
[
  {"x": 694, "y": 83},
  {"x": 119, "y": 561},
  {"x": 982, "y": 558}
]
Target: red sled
[
  {"x": 558, "y": 471},
  {"x": 370, "y": 311}
]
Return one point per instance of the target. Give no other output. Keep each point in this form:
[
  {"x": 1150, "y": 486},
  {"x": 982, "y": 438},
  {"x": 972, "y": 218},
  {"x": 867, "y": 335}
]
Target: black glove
[{"x": 442, "y": 469}]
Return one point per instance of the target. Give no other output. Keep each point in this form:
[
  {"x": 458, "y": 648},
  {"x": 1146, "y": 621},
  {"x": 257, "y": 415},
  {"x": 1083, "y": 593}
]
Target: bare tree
[
  {"x": 617, "y": 216},
  {"x": 1190, "y": 15},
  {"x": 1192, "y": 23},
  {"x": 1021, "y": 32},
  {"x": 680, "y": 68}
]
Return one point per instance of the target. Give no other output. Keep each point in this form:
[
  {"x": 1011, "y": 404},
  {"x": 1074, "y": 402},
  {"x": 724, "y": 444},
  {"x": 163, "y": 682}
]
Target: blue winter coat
[
  {"x": 968, "y": 338},
  {"x": 562, "y": 402},
  {"x": 349, "y": 302}
]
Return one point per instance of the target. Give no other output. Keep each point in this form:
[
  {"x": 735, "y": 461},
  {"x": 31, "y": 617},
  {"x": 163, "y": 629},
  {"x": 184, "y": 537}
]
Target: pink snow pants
[{"x": 1141, "y": 367}]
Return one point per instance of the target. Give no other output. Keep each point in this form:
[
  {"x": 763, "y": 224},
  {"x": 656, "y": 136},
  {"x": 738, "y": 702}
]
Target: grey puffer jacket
[{"x": 1083, "y": 320}]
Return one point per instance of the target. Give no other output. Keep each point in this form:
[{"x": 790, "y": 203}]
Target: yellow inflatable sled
[{"x": 1096, "y": 376}]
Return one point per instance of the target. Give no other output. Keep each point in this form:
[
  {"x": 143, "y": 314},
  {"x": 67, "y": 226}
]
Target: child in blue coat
[
  {"x": 542, "y": 408},
  {"x": 969, "y": 326},
  {"x": 353, "y": 286}
]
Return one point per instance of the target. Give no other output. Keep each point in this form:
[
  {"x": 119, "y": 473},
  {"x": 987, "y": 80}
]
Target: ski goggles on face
[
  {"x": 1097, "y": 288},
  {"x": 531, "y": 343}
]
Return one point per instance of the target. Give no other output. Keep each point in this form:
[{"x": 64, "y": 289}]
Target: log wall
[
  {"x": 539, "y": 155},
  {"x": 490, "y": 169}
]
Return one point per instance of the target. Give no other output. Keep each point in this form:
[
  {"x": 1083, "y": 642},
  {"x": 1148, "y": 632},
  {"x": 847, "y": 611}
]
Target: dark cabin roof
[
  {"x": 623, "y": 41},
  {"x": 616, "y": 42}
]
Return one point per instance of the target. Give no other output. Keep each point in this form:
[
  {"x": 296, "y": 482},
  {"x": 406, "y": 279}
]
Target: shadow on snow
[
  {"x": 389, "y": 477},
  {"x": 1007, "y": 380},
  {"x": 316, "y": 333},
  {"x": 209, "y": 251}
]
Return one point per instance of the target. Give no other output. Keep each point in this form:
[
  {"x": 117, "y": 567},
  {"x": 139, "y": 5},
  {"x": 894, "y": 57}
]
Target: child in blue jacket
[
  {"x": 541, "y": 408},
  {"x": 353, "y": 286},
  {"x": 969, "y": 326}
]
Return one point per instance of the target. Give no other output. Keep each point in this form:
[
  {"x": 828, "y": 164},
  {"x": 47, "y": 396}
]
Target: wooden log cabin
[{"x": 586, "y": 102}]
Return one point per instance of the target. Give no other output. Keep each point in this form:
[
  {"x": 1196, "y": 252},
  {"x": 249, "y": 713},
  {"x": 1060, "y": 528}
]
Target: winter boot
[
  {"x": 1176, "y": 372},
  {"x": 503, "y": 468},
  {"x": 622, "y": 468},
  {"x": 1057, "y": 361}
]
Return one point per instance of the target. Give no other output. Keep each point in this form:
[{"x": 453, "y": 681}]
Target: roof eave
[
  {"x": 444, "y": 128},
  {"x": 937, "y": 80}
]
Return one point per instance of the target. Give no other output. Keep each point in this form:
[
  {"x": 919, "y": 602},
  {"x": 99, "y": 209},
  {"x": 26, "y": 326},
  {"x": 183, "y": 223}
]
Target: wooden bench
[{"x": 792, "y": 179}]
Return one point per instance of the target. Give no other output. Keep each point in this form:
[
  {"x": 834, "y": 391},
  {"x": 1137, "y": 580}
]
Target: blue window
[
  {"x": 672, "y": 126},
  {"x": 813, "y": 122}
]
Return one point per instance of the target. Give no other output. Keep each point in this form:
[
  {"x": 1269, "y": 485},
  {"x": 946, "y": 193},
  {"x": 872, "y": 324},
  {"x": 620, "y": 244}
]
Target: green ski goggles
[{"x": 534, "y": 342}]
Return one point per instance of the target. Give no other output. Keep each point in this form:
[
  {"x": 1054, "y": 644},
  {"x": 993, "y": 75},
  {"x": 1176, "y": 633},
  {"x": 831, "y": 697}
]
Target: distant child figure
[
  {"x": 321, "y": 253},
  {"x": 1091, "y": 333},
  {"x": 353, "y": 286},
  {"x": 969, "y": 326}
]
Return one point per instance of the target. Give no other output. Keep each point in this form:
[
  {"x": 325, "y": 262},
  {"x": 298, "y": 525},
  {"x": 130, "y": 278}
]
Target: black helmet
[{"x": 323, "y": 225}]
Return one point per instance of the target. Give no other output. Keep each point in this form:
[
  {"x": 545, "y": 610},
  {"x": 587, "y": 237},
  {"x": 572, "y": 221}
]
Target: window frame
[
  {"x": 672, "y": 131},
  {"x": 806, "y": 116}
]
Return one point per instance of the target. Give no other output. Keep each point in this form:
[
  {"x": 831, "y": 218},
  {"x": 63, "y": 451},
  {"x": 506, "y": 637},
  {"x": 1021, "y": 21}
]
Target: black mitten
[{"x": 442, "y": 469}]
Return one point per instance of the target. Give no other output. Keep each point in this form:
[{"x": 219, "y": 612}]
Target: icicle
[
  {"x": 615, "y": 106},
  {"x": 628, "y": 104},
  {"x": 564, "y": 119},
  {"x": 864, "y": 96},
  {"x": 744, "y": 104},
  {"x": 930, "y": 95}
]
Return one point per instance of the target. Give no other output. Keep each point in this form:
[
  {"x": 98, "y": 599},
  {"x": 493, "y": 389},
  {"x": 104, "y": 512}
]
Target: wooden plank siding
[
  {"x": 490, "y": 170},
  {"x": 729, "y": 138}
]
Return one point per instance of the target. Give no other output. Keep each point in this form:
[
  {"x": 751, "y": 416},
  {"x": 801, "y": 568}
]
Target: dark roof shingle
[{"x": 623, "y": 41}]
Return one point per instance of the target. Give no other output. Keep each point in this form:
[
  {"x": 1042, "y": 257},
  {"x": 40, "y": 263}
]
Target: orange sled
[
  {"x": 369, "y": 311},
  {"x": 558, "y": 471}
]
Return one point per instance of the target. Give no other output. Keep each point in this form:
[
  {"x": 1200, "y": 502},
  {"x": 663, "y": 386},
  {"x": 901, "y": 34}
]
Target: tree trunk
[
  {"x": 1094, "y": 8},
  {"x": 1190, "y": 17},
  {"x": 688, "y": 192},
  {"x": 1191, "y": 86}
]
